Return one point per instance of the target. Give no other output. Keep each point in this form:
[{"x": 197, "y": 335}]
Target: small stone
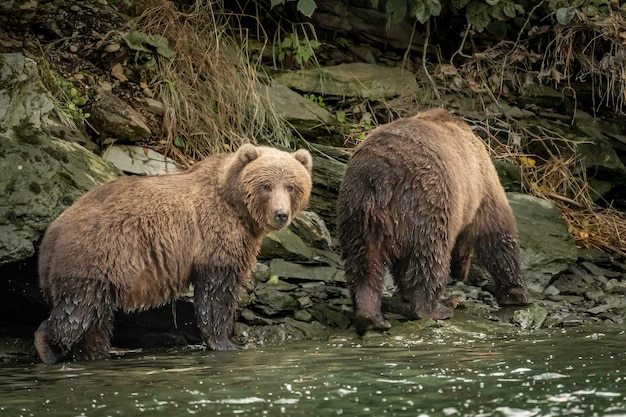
[
  {"x": 75, "y": 8},
  {"x": 303, "y": 315},
  {"x": 148, "y": 93},
  {"x": 594, "y": 295},
  {"x": 304, "y": 302},
  {"x": 155, "y": 106},
  {"x": 79, "y": 77},
  {"x": 112, "y": 47},
  {"x": 106, "y": 86},
  {"x": 73, "y": 48},
  {"x": 551, "y": 290}
]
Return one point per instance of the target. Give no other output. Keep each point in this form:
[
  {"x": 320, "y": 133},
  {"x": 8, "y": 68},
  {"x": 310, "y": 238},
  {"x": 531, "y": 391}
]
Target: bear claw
[{"x": 514, "y": 296}]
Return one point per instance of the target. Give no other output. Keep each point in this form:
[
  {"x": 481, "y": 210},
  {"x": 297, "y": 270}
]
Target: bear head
[{"x": 274, "y": 185}]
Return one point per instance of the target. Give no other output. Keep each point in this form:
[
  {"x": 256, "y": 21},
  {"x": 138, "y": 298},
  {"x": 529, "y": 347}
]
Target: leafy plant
[
  {"x": 319, "y": 100},
  {"x": 301, "y": 50},
  {"x": 73, "y": 100},
  {"x": 306, "y": 7},
  {"x": 145, "y": 46}
]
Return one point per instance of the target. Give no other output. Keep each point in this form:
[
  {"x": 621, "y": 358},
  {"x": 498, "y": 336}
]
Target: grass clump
[{"x": 210, "y": 88}]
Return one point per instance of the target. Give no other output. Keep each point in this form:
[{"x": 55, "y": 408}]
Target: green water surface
[{"x": 571, "y": 372}]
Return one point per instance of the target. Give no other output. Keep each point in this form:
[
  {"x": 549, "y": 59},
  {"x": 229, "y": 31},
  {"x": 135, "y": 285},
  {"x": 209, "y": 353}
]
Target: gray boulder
[
  {"x": 40, "y": 175},
  {"x": 547, "y": 248}
]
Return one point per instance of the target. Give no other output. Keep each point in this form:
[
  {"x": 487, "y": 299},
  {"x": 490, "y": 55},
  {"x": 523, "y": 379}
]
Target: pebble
[
  {"x": 106, "y": 86},
  {"x": 73, "y": 48},
  {"x": 304, "y": 302},
  {"x": 303, "y": 315},
  {"x": 112, "y": 47},
  {"x": 155, "y": 106},
  {"x": 551, "y": 290}
]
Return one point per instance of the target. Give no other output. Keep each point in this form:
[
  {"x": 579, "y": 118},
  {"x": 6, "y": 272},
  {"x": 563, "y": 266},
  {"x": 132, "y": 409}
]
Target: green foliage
[
  {"x": 493, "y": 15},
  {"x": 306, "y": 7},
  {"x": 145, "y": 46},
  {"x": 316, "y": 99},
  {"x": 301, "y": 50},
  {"x": 124, "y": 3},
  {"x": 72, "y": 100}
]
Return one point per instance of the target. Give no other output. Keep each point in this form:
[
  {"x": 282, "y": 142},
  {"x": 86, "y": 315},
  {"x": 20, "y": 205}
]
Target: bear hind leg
[
  {"x": 421, "y": 278},
  {"x": 75, "y": 320},
  {"x": 48, "y": 352},
  {"x": 365, "y": 275},
  {"x": 95, "y": 343}
]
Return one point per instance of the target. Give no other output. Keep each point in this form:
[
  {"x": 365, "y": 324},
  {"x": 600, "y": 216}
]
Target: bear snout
[{"x": 281, "y": 218}]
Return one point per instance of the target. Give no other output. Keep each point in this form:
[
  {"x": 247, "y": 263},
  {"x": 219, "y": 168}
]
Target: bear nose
[{"x": 281, "y": 216}]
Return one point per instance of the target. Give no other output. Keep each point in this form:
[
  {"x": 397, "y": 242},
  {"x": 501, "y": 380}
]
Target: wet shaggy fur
[
  {"x": 419, "y": 197},
  {"x": 138, "y": 242}
]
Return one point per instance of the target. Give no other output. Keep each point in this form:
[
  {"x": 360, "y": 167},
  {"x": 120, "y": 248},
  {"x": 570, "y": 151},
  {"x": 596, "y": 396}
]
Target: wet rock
[
  {"x": 546, "y": 245},
  {"x": 599, "y": 271},
  {"x": 310, "y": 329},
  {"x": 271, "y": 301},
  {"x": 294, "y": 271},
  {"x": 113, "y": 118},
  {"x": 352, "y": 80},
  {"x": 304, "y": 302},
  {"x": 312, "y": 229},
  {"x": 40, "y": 175},
  {"x": 594, "y": 295},
  {"x": 285, "y": 244},
  {"x": 331, "y": 316},
  {"x": 140, "y": 160},
  {"x": 611, "y": 302},
  {"x": 303, "y": 315},
  {"x": 303, "y": 114},
  {"x": 531, "y": 317},
  {"x": 253, "y": 319},
  {"x": 551, "y": 290}
]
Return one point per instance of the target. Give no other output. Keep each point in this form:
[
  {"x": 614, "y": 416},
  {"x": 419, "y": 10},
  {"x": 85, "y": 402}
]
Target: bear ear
[
  {"x": 248, "y": 153},
  {"x": 304, "y": 157}
]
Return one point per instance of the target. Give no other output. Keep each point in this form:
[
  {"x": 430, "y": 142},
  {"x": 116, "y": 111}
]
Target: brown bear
[
  {"x": 138, "y": 242},
  {"x": 419, "y": 196}
]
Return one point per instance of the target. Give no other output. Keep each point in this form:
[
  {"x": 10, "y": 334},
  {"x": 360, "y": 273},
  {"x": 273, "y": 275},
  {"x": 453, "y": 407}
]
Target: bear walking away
[
  {"x": 420, "y": 195},
  {"x": 138, "y": 242}
]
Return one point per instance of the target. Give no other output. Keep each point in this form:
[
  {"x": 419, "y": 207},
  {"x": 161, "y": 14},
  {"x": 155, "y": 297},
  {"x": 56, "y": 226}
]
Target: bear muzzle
[{"x": 281, "y": 218}]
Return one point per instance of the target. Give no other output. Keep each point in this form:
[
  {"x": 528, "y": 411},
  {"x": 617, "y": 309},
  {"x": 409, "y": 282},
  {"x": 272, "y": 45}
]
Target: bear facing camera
[
  {"x": 138, "y": 242},
  {"x": 420, "y": 195}
]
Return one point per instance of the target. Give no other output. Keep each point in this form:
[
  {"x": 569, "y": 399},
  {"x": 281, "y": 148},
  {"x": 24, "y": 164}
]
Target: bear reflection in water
[
  {"x": 138, "y": 242},
  {"x": 420, "y": 196}
]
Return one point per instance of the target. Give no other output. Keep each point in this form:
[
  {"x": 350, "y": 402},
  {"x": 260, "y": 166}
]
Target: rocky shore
[{"x": 298, "y": 290}]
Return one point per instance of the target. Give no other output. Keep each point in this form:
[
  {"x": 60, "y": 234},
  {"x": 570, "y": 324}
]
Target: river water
[{"x": 435, "y": 372}]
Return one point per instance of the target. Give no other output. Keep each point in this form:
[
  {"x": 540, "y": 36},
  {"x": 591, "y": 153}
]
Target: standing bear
[
  {"x": 138, "y": 242},
  {"x": 419, "y": 196}
]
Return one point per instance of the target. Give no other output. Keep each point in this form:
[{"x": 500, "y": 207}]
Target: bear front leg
[
  {"x": 215, "y": 302},
  {"x": 498, "y": 251}
]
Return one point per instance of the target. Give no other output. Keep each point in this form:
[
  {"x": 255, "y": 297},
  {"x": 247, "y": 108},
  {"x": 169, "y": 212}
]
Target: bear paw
[
  {"x": 366, "y": 321},
  {"x": 514, "y": 296},
  {"x": 222, "y": 344},
  {"x": 443, "y": 309}
]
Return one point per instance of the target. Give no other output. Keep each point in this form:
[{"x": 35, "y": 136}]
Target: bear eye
[
  {"x": 267, "y": 187},
  {"x": 289, "y": 188}
]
